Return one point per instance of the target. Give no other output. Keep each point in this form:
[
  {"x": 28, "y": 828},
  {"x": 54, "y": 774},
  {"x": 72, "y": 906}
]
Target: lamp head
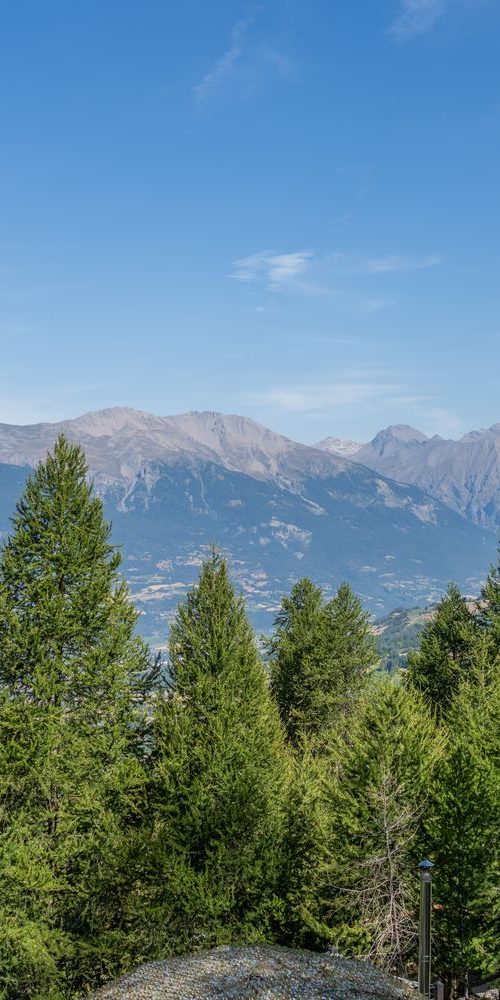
[{"x": 426, "y": 865}]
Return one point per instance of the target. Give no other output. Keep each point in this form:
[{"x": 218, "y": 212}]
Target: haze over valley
[{"x": 280, "y": 509}]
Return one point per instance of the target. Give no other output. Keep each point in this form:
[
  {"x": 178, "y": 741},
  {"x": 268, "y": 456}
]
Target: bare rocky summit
[
  {"x": 265, "y": 972},
  {"x": 173, "y": 485},
  {"x": 120, "y": 442},
  {"x": 339, "y": 446},
  {"x": 462, "y": 474}
]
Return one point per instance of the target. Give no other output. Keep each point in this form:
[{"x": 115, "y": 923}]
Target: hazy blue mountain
[
  {"x": 394, "y": 545},
  {"x": 174, "y": 485},
  {"x": 463, "y": 474}
]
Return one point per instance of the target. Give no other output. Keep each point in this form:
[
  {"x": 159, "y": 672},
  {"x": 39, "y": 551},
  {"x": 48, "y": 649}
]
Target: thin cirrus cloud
[
  {"x": 351, "y": 389},
  {"x": 394, "y": 263},
  {"x": 214, "y": 81},
  {"x": 246, "y": 62},
  {"x": 310, "y": 273},
  {"x": 416, "y": 17},
  {"x": 277, "y": 271},
  {"x": 354, "y": 392}
]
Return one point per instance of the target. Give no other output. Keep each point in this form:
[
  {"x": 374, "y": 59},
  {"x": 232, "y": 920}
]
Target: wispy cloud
[
  {"x": 247, "y": 64},
  {"x": 278, "y": 271},
  {"x": 311, "y": 273},
  {"x": 214, "y": 80},
  {"x": 392, "y": 263},
  {"x": 352, "y": 387},
  {"x": 375, "y": 303},
  {"x": 416, "y": 17},
  {"x": 377, "y": 394}
]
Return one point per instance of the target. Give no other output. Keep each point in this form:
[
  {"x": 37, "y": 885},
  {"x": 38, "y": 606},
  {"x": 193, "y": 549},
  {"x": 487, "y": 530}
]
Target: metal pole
[{"x": 424, "y": 941}]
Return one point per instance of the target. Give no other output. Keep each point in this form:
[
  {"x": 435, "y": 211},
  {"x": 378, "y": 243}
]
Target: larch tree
[
  {"x": 376, "y": 789},
  {"x": 446, "y": 652},
  {"x": 72, "y": 680},
  {"x": 462, "y": 832},
  {"x": 221, "y": 778},
  {"x": 297, "y": 654},
  {"x": 320, "y": 656}
]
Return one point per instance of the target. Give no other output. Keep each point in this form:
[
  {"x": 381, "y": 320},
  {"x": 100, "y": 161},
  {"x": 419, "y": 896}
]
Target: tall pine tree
[
  {"x": 376, "y": 786},
  {"x": 297, "y": 654},
  {"x": 350, "y": 646},
  {"x": 220, "y": 780},
  {"x": 72, "y": 677},
  {"x": 446, "y": 652},
  {"x": 488, "y": 611},
  {"x": 320, "y": 656},
  {"x": 462, "y": 830}
]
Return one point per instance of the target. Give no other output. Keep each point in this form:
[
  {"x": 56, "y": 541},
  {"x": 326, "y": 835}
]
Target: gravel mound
[{"x": 265, "y": 972}]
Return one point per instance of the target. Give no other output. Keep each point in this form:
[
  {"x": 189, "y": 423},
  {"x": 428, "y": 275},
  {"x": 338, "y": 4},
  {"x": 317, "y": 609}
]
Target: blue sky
[{"x": 287, "y": 209}]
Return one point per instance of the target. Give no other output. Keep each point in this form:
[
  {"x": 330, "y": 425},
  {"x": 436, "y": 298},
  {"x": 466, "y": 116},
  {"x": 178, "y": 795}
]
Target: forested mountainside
[{"x": 398, "y": 633}]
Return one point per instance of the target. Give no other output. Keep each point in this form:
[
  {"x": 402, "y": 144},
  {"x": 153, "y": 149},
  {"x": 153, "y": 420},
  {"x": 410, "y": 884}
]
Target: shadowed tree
[
  {"x": 376, "y": 785},
  {"x": 462, "y": 830}
]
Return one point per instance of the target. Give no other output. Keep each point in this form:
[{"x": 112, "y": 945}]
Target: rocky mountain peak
[
  {"x": 463, "y": 474},
  {"x": 401, "y": 434},
  {"x": 120, "y": 441},
  {"x": 339, "y": 446}
]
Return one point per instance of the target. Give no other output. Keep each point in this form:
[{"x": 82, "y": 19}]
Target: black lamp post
[{"x": 424, "y": 943}]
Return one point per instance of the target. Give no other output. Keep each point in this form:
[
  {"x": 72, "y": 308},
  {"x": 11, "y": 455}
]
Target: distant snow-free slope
[
  {"x": 118, "y": 442},
  {"x": 337, "y": 446},
  {"x": 463, "y": 474},
  {"x": 173, "y": 485}
]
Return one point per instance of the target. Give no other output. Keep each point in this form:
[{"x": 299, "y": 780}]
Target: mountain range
[
  {"x": 174, "y": 485},
  {"x": 463, "y": 474}
]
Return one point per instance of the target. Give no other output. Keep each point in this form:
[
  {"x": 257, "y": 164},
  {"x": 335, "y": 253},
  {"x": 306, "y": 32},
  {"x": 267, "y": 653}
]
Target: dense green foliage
[
  {"x": 296, "y": 650},
  {"x": 320, "y": 654},
  {"x": 71, "y": 775},
  {"x": 462, "y": 828},
  {"x": 446, "y": 653},
  {"x": 220, "y": 777},
  {"x": 238, "y": 801},
  {"x": 376, "y": 786}
]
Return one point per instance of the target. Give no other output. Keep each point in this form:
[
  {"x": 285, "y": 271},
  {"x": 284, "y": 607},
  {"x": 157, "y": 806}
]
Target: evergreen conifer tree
[
  {"x": 302, "y": 849},
  {"x": 462, "y": 834},
  {"x": 350, "y": 646},
  {"x": 446, "y": 652},
  {"x": 71, "y": 677},
  {"x": 488, "y": 615},
  {"x": 220, "y": 780},
  {"x": 297, "y": 652},
  {"x": 320, "y": 655},
  {"x": 375, "y": 790}
]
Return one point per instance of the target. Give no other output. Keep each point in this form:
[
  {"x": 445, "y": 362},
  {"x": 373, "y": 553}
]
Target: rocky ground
[{"x": 265, "y": 972}]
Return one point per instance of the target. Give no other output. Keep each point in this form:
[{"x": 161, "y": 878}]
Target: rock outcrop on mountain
[
  {"x": 339, "y": 446},
  {"x": 463, "y": 474},
  {"x": 119, "y": 442}
]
